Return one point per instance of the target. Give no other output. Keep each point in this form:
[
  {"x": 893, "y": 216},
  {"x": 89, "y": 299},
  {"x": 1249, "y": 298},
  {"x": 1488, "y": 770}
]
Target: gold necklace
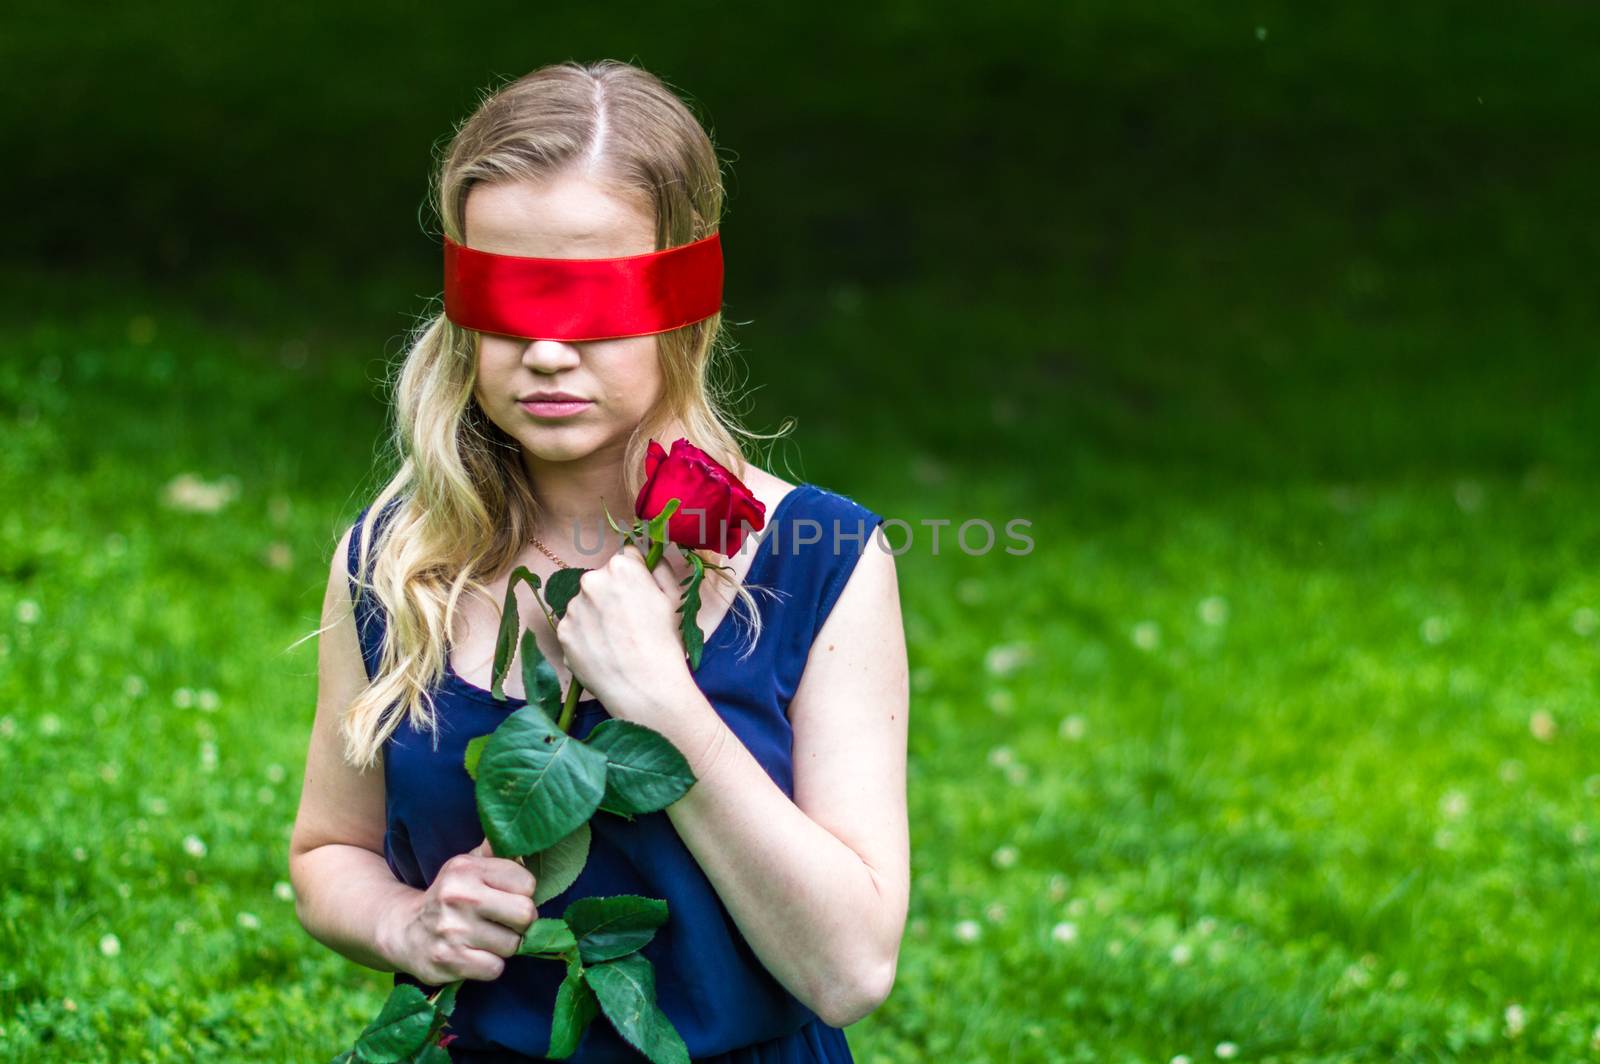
[{"x": 548, "y": 553}]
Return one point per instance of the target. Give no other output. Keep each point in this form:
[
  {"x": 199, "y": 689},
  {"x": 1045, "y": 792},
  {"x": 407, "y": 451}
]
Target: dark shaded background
[{"x": 1382, "y": 165}]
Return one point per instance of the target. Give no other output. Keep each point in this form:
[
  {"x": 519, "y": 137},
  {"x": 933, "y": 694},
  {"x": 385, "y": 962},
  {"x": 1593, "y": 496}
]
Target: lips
[{"x": 552, "y": 397}]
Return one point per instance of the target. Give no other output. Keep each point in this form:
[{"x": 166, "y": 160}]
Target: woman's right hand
[{"x": 471, "y": 917}]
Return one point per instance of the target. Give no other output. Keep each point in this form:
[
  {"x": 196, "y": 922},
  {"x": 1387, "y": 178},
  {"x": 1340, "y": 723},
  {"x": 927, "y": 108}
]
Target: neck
[{"x": 574, "y": 497}]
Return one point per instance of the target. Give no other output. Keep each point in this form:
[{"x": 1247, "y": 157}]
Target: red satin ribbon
[{"x": 582, "y": 299}]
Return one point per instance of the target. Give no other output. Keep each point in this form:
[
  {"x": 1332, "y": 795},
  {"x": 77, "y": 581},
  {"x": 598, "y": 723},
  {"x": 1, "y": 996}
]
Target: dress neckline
[{"x": 763, "y": 551}]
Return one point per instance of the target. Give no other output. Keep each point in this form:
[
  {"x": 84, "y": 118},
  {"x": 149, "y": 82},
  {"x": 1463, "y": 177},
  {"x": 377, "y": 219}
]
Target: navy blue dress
[{"x": 709, "y": 982}]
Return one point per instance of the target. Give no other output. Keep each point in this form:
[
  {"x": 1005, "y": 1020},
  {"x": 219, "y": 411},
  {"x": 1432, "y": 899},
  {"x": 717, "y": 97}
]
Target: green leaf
[
  {"x": 444, "y": 1003},
  {"x": 656, "y": 527},
  {"x": 433, "y": 1053},
  {"x": 344, "y": 1058},
  {"x": 613, "y": 926},
  {"x": 510, "y": 620},
  {"x": 556, "y": 868},
  {"x": 474, "y": 752},
  {"x": 539, "y": 678},
  {"x": 626, "y": 988},
  {"x": 612, "y": 521},
  {"x": 535, "y": 784},
  {"x": 401, "y": 1027},
  {"x": 575, "y": 1007},
  {"x": 644, "y": 771},
  {"x": 693, "y": 640},
  {"x": 547, "y": 934},
  {"x": 561, "y": 589}
]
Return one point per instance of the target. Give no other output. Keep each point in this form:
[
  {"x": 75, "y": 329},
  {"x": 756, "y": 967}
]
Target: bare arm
[
  {"x": 819, "y": 885},
  {"x": 343, "y": 886}
]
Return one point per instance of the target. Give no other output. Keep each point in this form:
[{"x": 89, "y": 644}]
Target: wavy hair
[{"x": 465, "y": 508}]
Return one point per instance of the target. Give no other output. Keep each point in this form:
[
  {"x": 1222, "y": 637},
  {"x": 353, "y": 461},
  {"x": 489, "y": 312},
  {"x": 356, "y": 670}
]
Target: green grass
[{"x": 1284, "y": 733}]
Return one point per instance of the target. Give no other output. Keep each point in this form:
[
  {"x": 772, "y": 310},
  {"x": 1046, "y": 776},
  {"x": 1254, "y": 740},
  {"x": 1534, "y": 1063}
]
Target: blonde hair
[{"x": 465, "y": 509}]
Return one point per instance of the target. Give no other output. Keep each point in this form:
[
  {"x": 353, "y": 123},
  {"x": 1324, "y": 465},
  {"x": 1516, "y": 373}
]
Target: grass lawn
[{"x": 1280, "y": 744}]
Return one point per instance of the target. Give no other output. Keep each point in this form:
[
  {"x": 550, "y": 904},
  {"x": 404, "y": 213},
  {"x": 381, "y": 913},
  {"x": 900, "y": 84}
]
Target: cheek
[
  {"x": 496, "y": 357},
  {"x": 636, "y": 372}
]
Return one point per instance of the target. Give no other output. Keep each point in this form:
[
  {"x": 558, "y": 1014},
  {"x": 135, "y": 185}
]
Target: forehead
[{"x": 566, "y": 217}]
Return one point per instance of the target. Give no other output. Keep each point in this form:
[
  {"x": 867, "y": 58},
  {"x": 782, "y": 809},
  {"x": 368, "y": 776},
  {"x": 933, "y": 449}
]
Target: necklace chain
[{"x": 548, "y": 553}]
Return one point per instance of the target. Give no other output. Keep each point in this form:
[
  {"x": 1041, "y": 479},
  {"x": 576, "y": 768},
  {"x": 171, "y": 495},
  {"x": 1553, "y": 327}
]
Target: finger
[
  {"x": 493, "y": 936},
  {"x": 512, "y": 911},
  {"x": 630, "y": 552},
  {"x": 483, "y": 849},
  {"x": 509, "y": 876}
]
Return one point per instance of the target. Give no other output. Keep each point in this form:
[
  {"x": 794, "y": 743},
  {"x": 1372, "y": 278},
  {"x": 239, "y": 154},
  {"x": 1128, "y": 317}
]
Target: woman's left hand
[{"x": 620, "y": 635}]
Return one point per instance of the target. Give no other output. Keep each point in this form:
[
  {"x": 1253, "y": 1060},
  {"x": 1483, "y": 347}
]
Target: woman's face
[{"x": 567, "y": 217}]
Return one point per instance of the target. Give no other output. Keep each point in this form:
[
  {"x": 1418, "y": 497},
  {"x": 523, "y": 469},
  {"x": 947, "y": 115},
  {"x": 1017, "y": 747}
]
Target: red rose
[{"x": 714, "y": 506}]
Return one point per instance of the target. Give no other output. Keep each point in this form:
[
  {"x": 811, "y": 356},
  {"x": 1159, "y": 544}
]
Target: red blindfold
[{"x": 582, "y": 299}]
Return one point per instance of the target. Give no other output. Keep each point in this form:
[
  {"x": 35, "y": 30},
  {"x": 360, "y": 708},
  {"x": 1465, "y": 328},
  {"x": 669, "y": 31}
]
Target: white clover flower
[
  {"x": 134, "y": 686},
  {"x": 188, "y": 491},
  {"x": 1065, "y": 932},
  {"x": 996, "y": 912},
  {"x": 1206, "y": 924},
  {"x": 1007, "y": 658},
  {"x": 208, "y": 756},
  {"x": 1516, "y": 1020},
  {"x": 1181, "y": 1058},
  {"x": 1182, "y": 953},
  {"x": 1001, "y": 701},
  {"x": 8, "y": 727},
  {"x": 110, "y": 946},
  {"x": 1454, "y": 804},
  {"x": 1226, "y": 1050},
  {"x": 27, "y": 611},
  {"x": 1016, "y": 775},
  {"x": 265, "y": 795},
  {"x": 1146, "y": 635},
  {"x": 1004, "y": 857},
  {"x": 275, "y": 773},
  {"x": 249, "y": 921},
  {"x": 1073, "y": 727},
  {"x": 1434, "y": 630},
  {"x": 1114, "y": 948},
  {"x": 968, "y": 930},
  {"x": 183, "y": 698},
  {"x": 1001, "y": 756},
  {"x": 1510, "y": 770},
  {"x": 157, "y": 805},
  {"x": 207, "y": 700},
  {"x": 1213, "y": 610},
  {"x": 283, "y": 891},
  {"x": 80, "y": 854},
  {"x": 1058, "y": 887},
  {"x": 1585, "y": 621},
  {"x": 193, "y": 846},
  {"x": 1542, "y": 726}
]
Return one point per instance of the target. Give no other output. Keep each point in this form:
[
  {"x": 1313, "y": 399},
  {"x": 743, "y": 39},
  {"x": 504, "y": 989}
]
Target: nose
[{"x": 550, "y": 356}]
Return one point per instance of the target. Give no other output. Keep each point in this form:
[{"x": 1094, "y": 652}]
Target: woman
[{"x": 786, "y": 865}]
